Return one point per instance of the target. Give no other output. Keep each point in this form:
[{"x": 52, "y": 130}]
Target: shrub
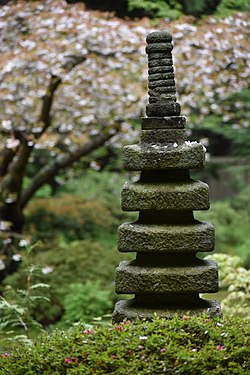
[
  {"x": 236, "y": 279},
  {"x": 17, "y": 321},
  {"x": 169, "y": 9},
  {"x": 75, "y": 217},
  {"x": 85, "y": 301},
  {"x": 231, "y": 221},
  {"x": 187, "y": 345},
  {"x": 103, "y": 187},
  {"x": 226, "y": 7}
]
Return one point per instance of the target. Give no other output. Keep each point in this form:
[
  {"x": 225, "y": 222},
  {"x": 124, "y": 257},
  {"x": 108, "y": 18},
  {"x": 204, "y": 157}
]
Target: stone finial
[
  {"x": 166, "y": 277},
  {"x": 161, "y": 82}
]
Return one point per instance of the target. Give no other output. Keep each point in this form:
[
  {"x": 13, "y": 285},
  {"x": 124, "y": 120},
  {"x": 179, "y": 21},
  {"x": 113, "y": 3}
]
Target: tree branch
[
  {"x": 61, "y": 162},
  {"x": 47, "y": 101},
  {"x": 6, "y": 157},
  {"x": 12, "y": 182}
]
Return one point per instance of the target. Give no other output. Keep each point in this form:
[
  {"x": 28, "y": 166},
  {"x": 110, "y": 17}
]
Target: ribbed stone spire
[
  {"x": 166, "y": 277},
  {"x": 161, "y": 83}
]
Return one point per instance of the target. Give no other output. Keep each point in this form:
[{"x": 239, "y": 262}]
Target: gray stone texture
[
  {"x": 161, "y": 76},
  {"x": 163, "y": 136},
  {"x": 159, "y": 37},
  {"x": 157, "y": 62},
  {"x": 173, "y": 122},
  {"x": 132, "y": 278},
  {"x": 162, "y": 97},
  {"x": 187, "y": 155},
  {"x": 160, "y": 55},
  {"x": 161, "y": 90},
  {"x": 185, "y": 196},
  {"x": 163, "y": 109},
  {"x": 130, "y": 310},
  {"x": 161, "y": 83},
  {"x": 160, "y": 69},
  {"x": 158, "y": 47},
  {"x": 165, "y": 238}
]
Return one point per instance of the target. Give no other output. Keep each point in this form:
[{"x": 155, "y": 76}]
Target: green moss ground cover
[{"x": 185, "y": 345}]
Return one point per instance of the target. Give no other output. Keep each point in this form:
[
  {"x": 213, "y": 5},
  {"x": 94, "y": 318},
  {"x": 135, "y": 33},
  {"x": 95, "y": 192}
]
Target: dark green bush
[
  {"x": 178, "y": 346},
  {"x": 69, "y": 215},
  {"x": 169, "y": 9},
  {"x": 85, "y": 301},
  {"x": 226, "y": 7}
]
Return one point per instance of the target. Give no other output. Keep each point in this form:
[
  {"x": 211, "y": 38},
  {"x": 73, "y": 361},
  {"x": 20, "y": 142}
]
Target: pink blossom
[
  {"x": 219, "y": 347},
  {"x": 120, "y": 328},
  {"x": 4, "y": 355},
  {"x": 67, "y": 360},
  {"x": 87, "y": 332},
  {"x": 163, "y": 350}
]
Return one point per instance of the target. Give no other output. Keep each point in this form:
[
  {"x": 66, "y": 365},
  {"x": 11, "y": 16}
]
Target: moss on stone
[
  {"x": 187, "y": 155},
  {"x": 201, "y": 278},
  {"x": 188, "y": 238},
  {"x": 191, "y": 195}
]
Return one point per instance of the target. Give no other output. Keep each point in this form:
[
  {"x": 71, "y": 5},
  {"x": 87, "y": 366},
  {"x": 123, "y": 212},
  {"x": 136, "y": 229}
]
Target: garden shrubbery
[
  {"x": 70, "y": 263},
  {"x": 187, "y": 345},
  {"x": 231, "y": 220}
]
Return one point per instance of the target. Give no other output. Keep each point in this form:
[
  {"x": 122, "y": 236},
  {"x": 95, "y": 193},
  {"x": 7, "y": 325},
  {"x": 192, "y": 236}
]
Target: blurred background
[{"x": 73, "y": 87}]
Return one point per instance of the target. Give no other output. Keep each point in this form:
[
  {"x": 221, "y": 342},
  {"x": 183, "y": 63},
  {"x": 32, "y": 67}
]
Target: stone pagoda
[{"x": 166, "y": 277}]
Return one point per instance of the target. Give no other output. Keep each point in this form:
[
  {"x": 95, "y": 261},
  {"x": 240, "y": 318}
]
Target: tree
[
  {"x": 16, "y": 154},
  {"x": 34, "y": 70},
  {"x": 55, "y": 106}
]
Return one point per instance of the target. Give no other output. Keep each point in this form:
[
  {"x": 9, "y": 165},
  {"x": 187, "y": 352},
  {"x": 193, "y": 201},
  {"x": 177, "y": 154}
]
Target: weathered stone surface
[
  {"x": 162, "y": 90},
  {"x": 162, "y": 98},
  {"x": 161, "y": 69},
  {"x": 160, "y": 76},
  {"x": 158, "y": 62},
  {"x": 160, "y": 55},
  {"x": 173, "y": 122},
  {"x": 132, "y": 279},
  {"x": 129, "y": 310},
  {"x": 158, "y": 37},
  {"x": 163, "y": 109},
  {"x": 185, "y": 238},
  {"x": 163, "y": 136},
  {"x": 167, "y": 97},
  {"x": 158, "y": 47},
  {"x": 187, "y": 155},
  {"x": 192, "y": 195},
  {"x": 160, "y": 83}
]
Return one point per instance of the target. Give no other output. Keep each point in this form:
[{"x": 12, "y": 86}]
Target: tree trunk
[{"x": 12, "y": 214}]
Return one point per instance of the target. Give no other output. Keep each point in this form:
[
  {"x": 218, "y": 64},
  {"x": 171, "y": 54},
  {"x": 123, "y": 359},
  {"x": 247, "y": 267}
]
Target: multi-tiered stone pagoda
[{"x": 166, "y": 277}]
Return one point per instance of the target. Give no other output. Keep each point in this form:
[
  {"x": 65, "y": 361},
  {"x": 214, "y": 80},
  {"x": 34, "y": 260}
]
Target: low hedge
[{"x": 187, "y": 345}]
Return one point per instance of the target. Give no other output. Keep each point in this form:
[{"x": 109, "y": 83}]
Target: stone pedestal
[{"x": 166, "y": 277}]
